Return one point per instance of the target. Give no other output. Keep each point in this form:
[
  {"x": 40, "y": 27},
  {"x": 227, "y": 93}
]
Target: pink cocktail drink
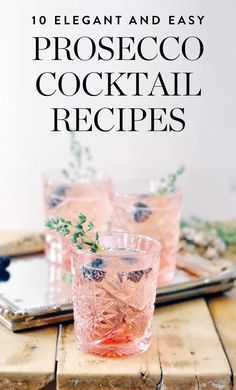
[
  {"x": 138, "y": 210},
  {"x": 66, "y": 198},
  {"x": 58, "y": 284},
  {"x": 114, "y": 294}
]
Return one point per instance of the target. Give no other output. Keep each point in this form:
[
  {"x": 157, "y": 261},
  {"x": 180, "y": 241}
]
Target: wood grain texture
[
  {"x": 223, "y": 310},
  {"x": 88, "y": 372},
  {"x": 186, "y": 354},
  {"x": 27, "y": 359},
  {"x": 15, "y": 243},
  {"x": 190, "y": 352},
  {"x": 7, "y": 236}
]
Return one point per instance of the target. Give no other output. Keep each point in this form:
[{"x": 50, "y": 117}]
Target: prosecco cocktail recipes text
[{"x": 113, "y": 50}]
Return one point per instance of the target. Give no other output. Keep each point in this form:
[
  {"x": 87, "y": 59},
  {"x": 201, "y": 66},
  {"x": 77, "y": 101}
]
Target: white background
[{"x": 206, "y": 146}]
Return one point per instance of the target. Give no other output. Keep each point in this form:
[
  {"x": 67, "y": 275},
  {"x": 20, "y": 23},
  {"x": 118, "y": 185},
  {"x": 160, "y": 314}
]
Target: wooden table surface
[{"x": 193, "y": 347}]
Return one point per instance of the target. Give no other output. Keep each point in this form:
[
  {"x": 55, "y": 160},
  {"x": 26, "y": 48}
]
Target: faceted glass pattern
[
  {"x": 114, "y": 293},
  {"x": 156, "y": 216},
  {"x": 67, "y": 199}
]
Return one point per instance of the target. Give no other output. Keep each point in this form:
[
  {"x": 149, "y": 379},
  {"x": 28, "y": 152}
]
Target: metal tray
[{"x": 35, "y": 292}]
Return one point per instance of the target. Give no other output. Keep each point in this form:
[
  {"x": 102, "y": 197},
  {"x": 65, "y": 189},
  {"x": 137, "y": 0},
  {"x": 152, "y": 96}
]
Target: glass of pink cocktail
[
  {"x": 65, "y": 197},
  {"x": 114, "y": 293},
  {"x": 138, "y": 209}
]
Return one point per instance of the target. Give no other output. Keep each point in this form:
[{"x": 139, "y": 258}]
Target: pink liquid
[
  {"x": 158, "y": 220},
  {"x": 113, "y": 306},
  {"x": 59, "y": 284},
  {"x": 67, "y": 201}
]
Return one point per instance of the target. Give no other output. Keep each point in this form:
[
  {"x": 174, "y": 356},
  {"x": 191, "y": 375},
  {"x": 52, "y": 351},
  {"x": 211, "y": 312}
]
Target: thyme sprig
[
  {"x": 80, "y": 166},
  {"x": 168, "y": 184},
  {"x": 78, "y": 232}
]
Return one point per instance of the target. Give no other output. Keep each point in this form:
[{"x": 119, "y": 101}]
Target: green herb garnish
[
  {"x": 168, "y": 184},
  {"x": 78, "y": 232},
  {"x": 80, "y": 165},
  {"x": 226, "y": 231}
]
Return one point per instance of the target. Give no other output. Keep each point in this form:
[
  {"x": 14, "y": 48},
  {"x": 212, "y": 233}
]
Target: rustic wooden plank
[
  {"x": 51, "y": 386},
  {"x": 88, "y": 372},
  {"x": 190, "y": 352},
  {"x": 11, "y": 235},
  {"x": 27, "y": 359},
  {"x": 185, "y": 339},
  {"x": 20, "y": 242},
  {"x": 223, "y": 310}
]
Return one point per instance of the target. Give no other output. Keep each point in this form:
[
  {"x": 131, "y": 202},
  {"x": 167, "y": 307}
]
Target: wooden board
[
  {"x": 89, "y": 372},
  {"x": 15, "y": 243},
  {"x": 11, "y": 235},
  {"x": 185, "y": 354},
  {"x": 27, "y": 360},
  {"x": 223, "y": 311},
  {"x": 190, "y": 352}
]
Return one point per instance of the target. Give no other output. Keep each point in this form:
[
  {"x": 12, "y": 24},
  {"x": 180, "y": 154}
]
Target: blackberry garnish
[
  {"x": 4, "y": 275},
  {"x": 93, "y": 274},
  {"x": 135, "y": 276},
  {"x": 141, "y": 212},
  {"x": 56, "y": 197},
  {"x": 147, "y": 271},
  {"x": 60, "y": 191},
  {"x": 53, "y": 202},
  {"x": 97, "y": 263},
  {"x": 4, "y": 262}
]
